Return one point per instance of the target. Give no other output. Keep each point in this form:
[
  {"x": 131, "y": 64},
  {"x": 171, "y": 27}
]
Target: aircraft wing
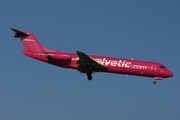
[{"x": 86, "y": 61}]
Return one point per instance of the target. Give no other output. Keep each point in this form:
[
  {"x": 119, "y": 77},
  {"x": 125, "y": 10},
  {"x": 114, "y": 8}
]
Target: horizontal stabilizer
[{"x": 18, "y": 33}]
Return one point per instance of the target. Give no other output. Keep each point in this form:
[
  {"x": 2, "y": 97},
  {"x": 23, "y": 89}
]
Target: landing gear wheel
[
  {"x": 89, "y": 75},
  {"x": 89, "y": 78},
  {"x": 154, "y": 82}
]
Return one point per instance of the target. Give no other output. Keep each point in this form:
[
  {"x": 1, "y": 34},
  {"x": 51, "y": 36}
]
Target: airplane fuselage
[
  {"x": 114, "y": 65},
  {"x": 90, "y": 63}
]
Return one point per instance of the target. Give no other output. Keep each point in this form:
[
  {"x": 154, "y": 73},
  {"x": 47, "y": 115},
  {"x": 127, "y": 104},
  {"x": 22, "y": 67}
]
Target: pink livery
[{"x": 89, "y": 64}]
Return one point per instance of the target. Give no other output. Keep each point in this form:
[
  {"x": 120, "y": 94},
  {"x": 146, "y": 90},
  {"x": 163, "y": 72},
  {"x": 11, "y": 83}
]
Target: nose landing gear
[
  {"x": 157, "y": 78},
  {"x": 154, "y": 82}
]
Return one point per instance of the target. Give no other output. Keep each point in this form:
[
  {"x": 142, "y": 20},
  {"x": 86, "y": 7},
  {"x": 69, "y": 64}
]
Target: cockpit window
[{"x": 162, "y": 67}]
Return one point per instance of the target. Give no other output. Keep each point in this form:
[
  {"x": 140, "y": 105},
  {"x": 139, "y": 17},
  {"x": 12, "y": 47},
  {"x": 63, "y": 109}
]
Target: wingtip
[{"x": 78, "y": 51}]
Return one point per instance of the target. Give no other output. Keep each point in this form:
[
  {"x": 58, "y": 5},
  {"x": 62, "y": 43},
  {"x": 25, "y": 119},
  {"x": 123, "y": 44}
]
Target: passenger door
[{"x": 153, "y": 68}]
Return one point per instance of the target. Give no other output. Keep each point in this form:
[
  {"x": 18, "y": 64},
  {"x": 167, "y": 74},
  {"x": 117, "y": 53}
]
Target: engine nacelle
[{"x": 59, "y": 56}]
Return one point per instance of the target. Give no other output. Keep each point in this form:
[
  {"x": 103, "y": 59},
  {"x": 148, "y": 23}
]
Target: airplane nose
[{"x": 170, "y": 74}]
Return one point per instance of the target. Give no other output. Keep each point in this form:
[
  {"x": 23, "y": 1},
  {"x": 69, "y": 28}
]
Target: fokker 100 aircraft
[{"x": 89, "y": 64}]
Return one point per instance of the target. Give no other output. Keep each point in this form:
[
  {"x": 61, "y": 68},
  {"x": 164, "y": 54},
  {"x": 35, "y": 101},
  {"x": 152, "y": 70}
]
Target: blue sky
[{"x": 147, "y": 30}]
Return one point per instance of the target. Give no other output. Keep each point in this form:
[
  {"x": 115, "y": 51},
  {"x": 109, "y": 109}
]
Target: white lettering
[
  {"x": 127, "y": 64},
  {"x": 119, "y": 63},
  {"x": 99, "y": 61},
  {"x": 107, "y": 62},
  {"x": 140, "y": 67},
  {"x": 114, "y": 63},
  {"x": 103, "y": 61},
  {"x": 30, "y": 40},
  {"x": 123, "y": 64}
]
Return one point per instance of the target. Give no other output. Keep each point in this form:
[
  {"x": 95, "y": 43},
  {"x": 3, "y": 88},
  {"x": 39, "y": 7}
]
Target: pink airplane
[{"x": 89, "y": 64}]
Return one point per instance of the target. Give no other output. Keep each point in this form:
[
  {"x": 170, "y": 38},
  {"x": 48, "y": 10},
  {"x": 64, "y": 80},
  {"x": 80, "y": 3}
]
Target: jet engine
[{"x": 59, "y": 56}]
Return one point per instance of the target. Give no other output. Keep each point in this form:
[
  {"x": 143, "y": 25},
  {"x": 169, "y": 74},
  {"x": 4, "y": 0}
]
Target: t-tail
[{"x": 28, "y": 40}]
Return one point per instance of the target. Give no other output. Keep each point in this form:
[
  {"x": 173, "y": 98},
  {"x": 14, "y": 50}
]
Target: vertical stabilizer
[{"x": 28, "y": 40}]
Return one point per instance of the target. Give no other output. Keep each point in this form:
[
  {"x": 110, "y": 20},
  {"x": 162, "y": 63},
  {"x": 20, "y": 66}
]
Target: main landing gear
[{"x": 89, "y": 75}]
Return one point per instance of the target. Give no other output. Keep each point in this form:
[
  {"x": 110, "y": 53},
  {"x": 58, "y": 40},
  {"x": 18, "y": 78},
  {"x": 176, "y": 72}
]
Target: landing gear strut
[
  {"x": 154, "y": 82},
  {"x": 89, "y": 75}
]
